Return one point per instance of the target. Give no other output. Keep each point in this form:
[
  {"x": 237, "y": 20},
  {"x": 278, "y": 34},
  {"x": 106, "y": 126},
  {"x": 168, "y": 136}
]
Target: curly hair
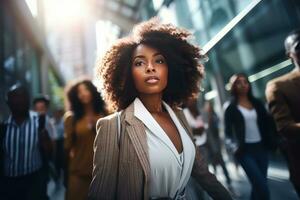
[
  {"x": 74, "y": 104},
  {"x": 182, "y": 58}
]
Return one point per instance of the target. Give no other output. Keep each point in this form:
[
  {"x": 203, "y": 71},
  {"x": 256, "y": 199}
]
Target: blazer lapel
[{"x": 137, "y": 134}]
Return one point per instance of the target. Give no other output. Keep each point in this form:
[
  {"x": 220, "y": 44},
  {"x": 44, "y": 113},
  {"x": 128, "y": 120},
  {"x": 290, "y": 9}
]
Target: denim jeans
[{"x": 254, "y": 161}]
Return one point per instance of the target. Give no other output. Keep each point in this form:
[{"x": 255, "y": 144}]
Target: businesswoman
[
  {"x": 248, "y": 131},
  {"x": 150, "y": 153},
  {"x": 85, "y": 108}
]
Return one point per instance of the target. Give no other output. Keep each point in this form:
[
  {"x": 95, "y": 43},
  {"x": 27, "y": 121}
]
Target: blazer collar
[
  {"x": 137, "y": 134},
  {"x": 132, "y": 120}
]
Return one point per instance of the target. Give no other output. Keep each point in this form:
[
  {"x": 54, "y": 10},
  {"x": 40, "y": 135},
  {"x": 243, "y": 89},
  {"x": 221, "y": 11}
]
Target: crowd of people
[{"x": 144, "y": 137}]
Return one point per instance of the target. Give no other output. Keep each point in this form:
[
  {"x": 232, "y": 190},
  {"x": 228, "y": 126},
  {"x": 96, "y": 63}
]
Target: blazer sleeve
[
  {"x": 280, "y": 110},
  {"x": 105, "y": 163},
  {"x": 207, "y": 180}
]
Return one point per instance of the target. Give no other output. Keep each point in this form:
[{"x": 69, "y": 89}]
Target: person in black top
[{"x": 248, "y": 127}]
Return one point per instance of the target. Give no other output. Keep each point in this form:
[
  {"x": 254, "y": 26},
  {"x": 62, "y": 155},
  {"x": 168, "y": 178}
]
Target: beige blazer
[{"x": 124, "y": 174}]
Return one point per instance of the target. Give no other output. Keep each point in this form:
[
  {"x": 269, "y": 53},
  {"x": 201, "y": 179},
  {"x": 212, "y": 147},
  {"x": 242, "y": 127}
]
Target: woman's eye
[
  {"x": 160, "y": 61},
  {"x": 138, "y": 63}
]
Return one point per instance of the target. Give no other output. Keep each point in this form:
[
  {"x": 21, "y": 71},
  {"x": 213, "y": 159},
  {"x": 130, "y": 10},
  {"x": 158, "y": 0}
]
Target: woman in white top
[
  {"x": 248, "y": 130},
  {"x": 146, "y": 151}
]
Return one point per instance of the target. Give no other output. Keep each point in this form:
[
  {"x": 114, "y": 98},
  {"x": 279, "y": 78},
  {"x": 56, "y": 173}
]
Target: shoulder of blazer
[{"x": 112, "y": 118}]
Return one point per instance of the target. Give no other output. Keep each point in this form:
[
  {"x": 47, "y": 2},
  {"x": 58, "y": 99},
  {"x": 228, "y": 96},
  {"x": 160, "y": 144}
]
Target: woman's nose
[{"x": 150, "y": 68}]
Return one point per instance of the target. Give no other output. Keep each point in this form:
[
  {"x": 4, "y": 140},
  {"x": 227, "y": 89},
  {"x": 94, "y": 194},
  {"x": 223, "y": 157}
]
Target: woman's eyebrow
[
  {"x": 142, "y": 56},
  {"x": 157, "y": 54},
  {"x": 138, "y": 56}
]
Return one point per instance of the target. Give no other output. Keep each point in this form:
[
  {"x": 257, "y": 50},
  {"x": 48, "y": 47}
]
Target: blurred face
[
  {"x": 295, "y": 54},
  {"x": 149, "y": 70},
  {"x": 241, "y": 85},
  {"x": 19, "y": 103},
  {"x": 41, "y": 107},
  {"x": 84, "y": 95}
]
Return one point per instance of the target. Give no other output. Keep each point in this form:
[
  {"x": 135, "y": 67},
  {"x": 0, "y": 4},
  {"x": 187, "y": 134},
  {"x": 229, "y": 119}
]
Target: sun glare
[
  {"x": 65, "y": 11},
  {"x": 32, "y": 7}
]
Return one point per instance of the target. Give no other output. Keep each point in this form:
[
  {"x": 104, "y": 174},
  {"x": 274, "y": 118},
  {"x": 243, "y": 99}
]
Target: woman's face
[
  {"x": 241, "y": 85},
  {"x": 84, "y": 95},
  {"x": 149, "y": 70}
]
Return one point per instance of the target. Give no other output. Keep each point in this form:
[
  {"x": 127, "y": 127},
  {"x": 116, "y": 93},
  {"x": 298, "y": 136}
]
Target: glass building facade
[{"x": 238, "y": 36}]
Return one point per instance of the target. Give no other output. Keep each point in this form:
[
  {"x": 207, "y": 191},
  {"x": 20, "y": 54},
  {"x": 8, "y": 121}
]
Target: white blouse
[
  {"x": 252, "y": 134},
  {"x": 170, "y": 171}
]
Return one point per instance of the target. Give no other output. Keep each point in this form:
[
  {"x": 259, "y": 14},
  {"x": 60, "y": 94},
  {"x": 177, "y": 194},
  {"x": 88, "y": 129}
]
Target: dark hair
[
  {"x": 291, "y": 39},
  {"x": 17, "y": 88},
  {"x": 232, "y": 82},
  {"x": 42, "y": 98},
  {"x": 182, "y": 59},
  {"x": 74, "y": 104}
]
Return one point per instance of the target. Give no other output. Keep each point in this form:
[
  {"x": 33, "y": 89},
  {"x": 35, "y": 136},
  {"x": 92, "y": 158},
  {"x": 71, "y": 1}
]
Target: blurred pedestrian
[
  {"x": 247, "y": 129},
  {"x": 215, "y": 143},
  {"x": 25, "y": 143},
  {"x": 146, "y": 151},
  {"x": 196, "y": 123},
  {"x": 59, "y": 141},
  {"x": 41, "y": 105},
  {"x": 85, "y": 108},
  {"x": 284, "y": 102}
]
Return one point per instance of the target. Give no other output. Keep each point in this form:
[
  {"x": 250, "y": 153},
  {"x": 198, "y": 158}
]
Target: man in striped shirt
[{"x": 23, "y": 176}]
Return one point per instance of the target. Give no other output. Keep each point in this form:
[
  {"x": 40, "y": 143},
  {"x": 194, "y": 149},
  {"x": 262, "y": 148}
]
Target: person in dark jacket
[{"x": 247, "y": 129}]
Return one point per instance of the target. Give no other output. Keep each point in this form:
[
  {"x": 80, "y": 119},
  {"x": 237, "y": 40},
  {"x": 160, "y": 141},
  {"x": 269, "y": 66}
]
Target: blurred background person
[
  {"x": 85, "y": 108},
  {"x": 194, "y": 118},
  {"x": 248, "y": 132},
  {"x": 58, "y": 123},
  {"x": 195, "y": 121},
  {"x": 24, "y": 144},
  {"x": 284, "y": 102},
  {"x": 215, "y": 143},
  {"x": 41, "y": 105}
]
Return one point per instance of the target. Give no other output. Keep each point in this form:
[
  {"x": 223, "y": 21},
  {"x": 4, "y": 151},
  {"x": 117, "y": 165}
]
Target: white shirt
[
  {"x": 252, "y": 134},
  {"x": 170, "y": 171},
  {"x": 50, "y": 127},
  {"x": 195, "y": 123}
]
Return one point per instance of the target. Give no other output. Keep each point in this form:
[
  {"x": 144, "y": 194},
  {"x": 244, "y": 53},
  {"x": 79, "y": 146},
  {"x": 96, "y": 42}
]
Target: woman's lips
[{"x": 152, "y": 79}]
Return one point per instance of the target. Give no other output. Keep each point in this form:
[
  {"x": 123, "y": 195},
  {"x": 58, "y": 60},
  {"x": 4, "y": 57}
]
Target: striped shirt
[{"x": 21, "y": 150}]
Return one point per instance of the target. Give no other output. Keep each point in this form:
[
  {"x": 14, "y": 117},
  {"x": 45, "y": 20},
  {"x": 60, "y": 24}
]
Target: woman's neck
[
  {"x": 243, "y": 98},
  {"x": 153, "y": 103},
  {"x": 88, "y": 109},
  {"x": 245, "y": 101}
]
